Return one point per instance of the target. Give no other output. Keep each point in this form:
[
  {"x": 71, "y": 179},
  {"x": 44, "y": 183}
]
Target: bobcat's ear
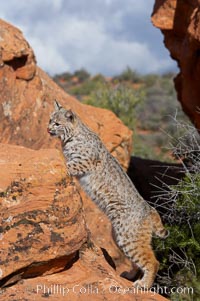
[
  {"x": 70, "y": 115},
  {"x": 57, "y": 106}
]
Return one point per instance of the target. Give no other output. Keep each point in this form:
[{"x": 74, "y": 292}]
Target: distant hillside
[{"x": 145, "y": 103}]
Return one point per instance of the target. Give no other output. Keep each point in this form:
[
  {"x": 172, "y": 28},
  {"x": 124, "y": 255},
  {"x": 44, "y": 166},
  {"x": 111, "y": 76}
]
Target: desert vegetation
[{"x": 180, "y": 253}]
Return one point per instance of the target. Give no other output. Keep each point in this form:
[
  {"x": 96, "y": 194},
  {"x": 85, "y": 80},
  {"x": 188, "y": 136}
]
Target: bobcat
[{"x": 102, "y": 178}]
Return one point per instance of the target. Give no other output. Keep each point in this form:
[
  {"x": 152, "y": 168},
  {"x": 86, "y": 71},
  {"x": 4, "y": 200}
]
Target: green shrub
[
  {"x": 86, "y": 88},
  {"x": 180, "y": 252},
  {"x": 121, "y": 99}
]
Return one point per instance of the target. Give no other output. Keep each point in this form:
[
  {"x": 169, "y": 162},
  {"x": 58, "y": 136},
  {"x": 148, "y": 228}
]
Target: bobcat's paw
[{"x": 141, "y": 284}]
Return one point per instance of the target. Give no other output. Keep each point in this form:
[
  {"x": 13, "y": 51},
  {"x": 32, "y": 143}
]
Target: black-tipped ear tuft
[
  {"x": 57, "y": 106},
  {"x": 70, "y": 115}
]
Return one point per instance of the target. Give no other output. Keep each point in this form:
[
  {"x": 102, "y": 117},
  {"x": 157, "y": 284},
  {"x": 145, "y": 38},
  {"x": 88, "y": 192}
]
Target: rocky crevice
[
  {"x": 17, "y": 62},
  {"x": 37, "y": 269}
]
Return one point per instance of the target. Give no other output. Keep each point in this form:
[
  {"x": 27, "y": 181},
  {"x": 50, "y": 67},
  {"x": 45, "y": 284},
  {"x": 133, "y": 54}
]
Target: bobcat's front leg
[{"x": 74, "y": 169}]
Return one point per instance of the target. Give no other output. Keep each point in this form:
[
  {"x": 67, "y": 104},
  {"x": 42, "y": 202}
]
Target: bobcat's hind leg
[
  {"x": 140, "y": 253},
  {"x": 147, "y": 261}
]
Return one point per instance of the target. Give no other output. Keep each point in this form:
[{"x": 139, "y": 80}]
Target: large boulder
[
  {"x": 46, "y": 247},
  {"x": 41, "y": 213},
  {"x": 26, "y": 101},
  {"x": 179, "y": 22}
]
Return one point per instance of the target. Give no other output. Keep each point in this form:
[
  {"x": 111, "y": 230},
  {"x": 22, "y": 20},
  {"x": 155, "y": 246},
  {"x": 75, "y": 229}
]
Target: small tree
[
  {"x": 129, "y": 75},
  {"x": 82, "y": 75}
]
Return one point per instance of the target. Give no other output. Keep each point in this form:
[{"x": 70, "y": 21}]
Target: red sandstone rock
[
  {"x": 179, "y": 22},
  {"x": 89, "y": 278},
  {"x": 15, "y": 52},
  {"x": 41, "y": 212},
  {"x": 27, "y": 100}
]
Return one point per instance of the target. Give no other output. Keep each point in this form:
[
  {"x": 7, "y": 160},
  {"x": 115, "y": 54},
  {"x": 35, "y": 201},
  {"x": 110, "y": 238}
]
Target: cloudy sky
[{"x": 103, "y": 36}]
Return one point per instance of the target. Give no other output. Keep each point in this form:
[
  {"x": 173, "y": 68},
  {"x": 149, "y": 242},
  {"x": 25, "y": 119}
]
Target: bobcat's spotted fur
[{"x": 103, "y": 179}]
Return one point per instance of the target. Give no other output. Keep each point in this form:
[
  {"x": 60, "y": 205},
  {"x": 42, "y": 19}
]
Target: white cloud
[
  {"x": 68, "y": 35},
  {"x": 48, "y": 57}
]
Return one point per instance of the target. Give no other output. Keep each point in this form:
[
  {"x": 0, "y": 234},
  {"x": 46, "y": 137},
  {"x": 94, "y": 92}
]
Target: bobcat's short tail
[{"x": 158, "y": 228}]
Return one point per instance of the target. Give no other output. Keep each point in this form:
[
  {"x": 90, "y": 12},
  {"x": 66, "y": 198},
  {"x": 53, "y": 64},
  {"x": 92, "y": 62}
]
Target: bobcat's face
[{"x": 61, "y": 123}]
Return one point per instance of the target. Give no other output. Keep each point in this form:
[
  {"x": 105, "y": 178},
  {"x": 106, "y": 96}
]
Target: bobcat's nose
[{"x": 51, "y": 132}]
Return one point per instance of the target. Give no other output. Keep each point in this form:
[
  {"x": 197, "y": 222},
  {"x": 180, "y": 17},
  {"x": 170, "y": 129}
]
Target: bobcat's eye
[{"x": 57, "y": 124}]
